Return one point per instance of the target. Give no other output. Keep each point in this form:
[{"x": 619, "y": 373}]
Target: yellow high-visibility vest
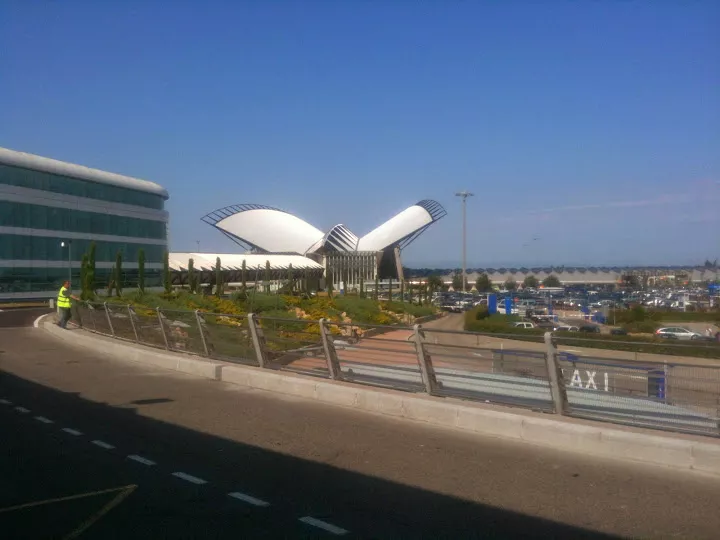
[{"x": 62, "y": 300}]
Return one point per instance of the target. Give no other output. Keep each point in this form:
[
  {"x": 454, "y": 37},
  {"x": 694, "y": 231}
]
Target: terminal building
[
  {"x": 285, "y": 241},
  {"x": 51, "y": 211}
]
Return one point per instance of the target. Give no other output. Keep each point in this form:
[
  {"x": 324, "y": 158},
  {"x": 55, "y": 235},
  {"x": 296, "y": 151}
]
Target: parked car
[
  {"x": 590, "y": 328},
  {"x": 523, "y": 325},
  {"x": 676, "y": 332},
  {"x": 618, "y": 332},
  {"x": 566, "y": 329}
]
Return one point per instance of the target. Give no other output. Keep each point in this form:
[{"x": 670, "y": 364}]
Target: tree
[
  {"x": 167, "y": 283},
  {"x": 362, "y": 288},
  {"x": 118, "y": 274},
  {"x": 402, "y": 290},
  {"x": 267, "y": 277},
  {"x": 551, "y": 281},
  {"x": 377, "y": 287},
  {"x": 218, "y": 278},
  {"x": 111, "y": 282},
  {"x": 243, "y": 278},
  {"x": 457, "y": 281},
  {"x": 330, "y": 284},
  {"x": 291, "y": 279},
  {"x": 435, "y": 283},
  {"x": 531, "y": 282},
  {"x": 390, "y": 290},
  {"x": 91, "y": 276},
  {"x": 510, "y": 284},
  {"x": 191, "y": 275},
  {"x": 141, "y": 271},
  {"x": 84, "y": 277},
  {"x": 483, "y": 283}
]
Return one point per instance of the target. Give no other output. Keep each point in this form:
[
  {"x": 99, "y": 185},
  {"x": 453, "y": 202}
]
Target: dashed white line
[
  {"x": 22, "y": 410},
  {"x": 189, "y": 478},
  {"x": 320, "y": 524},
  {"x": 248, "y": 499},
  {"x": 102, "y": 444},
  {"x": 141, "y": 459},
  {"x": 72, "y": 431},
  {"x": 43, "y": 420},
  {"x": 5, "y": 402}
]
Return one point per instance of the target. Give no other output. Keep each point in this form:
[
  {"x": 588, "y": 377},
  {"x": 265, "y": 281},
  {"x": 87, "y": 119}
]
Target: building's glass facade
[{"x": 40, "y": 210}]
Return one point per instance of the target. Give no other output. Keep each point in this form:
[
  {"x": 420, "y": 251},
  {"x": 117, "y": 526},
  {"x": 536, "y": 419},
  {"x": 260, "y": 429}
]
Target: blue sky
[{"x": 593, "y": 126}]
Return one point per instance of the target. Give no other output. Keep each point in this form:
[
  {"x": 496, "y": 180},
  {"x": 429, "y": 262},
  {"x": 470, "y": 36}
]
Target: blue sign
[
  {"x": 508, "y": 305},
  {"x": 492, "y": 304}
]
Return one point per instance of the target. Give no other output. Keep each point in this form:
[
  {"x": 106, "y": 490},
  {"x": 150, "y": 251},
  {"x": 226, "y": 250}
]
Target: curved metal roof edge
[{"x": 39, "y": 163}]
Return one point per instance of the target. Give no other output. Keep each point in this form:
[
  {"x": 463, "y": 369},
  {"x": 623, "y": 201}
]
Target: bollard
[
  {"x": 331, "y": 357},
  {"x": 198, "y": 319},
  {"x": 425, "y": 362},
  {"x": 258, "y": 339},
  {"x": 162, "y": 328},
  {"x": 132, "y": 323},
  {"x": 555, "y": 377},
  {"x": 109, "y": 320}
]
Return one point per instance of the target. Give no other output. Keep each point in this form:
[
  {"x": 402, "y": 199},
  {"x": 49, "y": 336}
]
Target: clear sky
[{"x": 593, "y": 126}]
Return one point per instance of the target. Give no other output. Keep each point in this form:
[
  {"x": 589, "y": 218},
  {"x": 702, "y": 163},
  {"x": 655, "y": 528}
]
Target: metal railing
[{"x": 612, "y": 386}]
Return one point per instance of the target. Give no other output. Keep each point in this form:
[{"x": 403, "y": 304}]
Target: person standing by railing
[{"x": 64, "y": 303}]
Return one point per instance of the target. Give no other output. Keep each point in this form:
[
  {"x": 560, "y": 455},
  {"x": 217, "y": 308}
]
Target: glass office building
[{"x": 51, "y": 211}]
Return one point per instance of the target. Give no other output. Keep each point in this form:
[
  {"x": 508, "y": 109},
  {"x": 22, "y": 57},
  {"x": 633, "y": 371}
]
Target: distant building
[{"x": 51, "y": 211}]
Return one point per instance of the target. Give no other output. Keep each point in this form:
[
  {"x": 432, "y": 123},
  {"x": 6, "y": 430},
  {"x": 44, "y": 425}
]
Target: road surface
[{"x": 153, "y": 454}]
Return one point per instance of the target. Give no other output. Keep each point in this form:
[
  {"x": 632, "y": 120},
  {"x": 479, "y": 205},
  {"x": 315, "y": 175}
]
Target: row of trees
[
  {"x": 483, "y": 283},
  {"x": 115, "y": 283}
]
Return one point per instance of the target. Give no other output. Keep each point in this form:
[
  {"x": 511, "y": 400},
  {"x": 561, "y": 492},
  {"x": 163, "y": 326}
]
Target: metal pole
[
  {"x": 109, "y": 320},
  {"x": 330, "y": 353},
  {"x": 426, "y": 368},
  {"x": 202, "y": 334},
  {"x": 464, "y": 195},
  {"x": 132, "y": 323},
  {"x": 555, "y": 377},
  {"x": 162, "y": 328},
  {"x": 258, "y": 339}
]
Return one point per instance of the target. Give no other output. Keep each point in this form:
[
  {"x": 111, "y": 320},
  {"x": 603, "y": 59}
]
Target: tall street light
[
  {"x": 464, "y": 195},
  {"x": 68, "y": 244}
]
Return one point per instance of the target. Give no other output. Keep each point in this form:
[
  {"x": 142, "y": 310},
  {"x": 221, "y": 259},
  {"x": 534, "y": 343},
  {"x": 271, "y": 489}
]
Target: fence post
[
  {"x": 333, "y": 363},
  {"x": 555, "y": 377},
  {"x": 162, "y": 328},
  {"x": 132, "y": 323},
  {"x": 425, "y": 361},
  {"x": 258, "y": 339},
  {"x": 202, "y": 334},
  {"x": 109, "y": 320}
]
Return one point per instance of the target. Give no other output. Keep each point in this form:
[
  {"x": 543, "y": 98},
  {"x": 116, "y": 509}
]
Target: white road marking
[
  {"x": 189, "y": 478},
  {"x": 22, "y": 409},
  {"x": 248, "y": 499},
  {"x": 329, "y": 527},
  {"x": 36, "y": 323},
  {"x": 43, "y": 420},
  {"x": 140, "y": 459},
  {"x": 102, "y": 444},
  {"x": 5, "y": 402},
  {"x": 72, "y": 431}
]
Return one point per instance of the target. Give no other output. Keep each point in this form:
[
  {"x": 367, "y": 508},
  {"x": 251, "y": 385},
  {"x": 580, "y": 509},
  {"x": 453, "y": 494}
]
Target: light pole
[
  {"x": 464, "y": 195},
  {"x": 69, "y": 246}
]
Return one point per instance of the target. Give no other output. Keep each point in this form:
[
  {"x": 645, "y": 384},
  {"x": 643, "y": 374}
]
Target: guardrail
[{"x": 675, "y": 396}]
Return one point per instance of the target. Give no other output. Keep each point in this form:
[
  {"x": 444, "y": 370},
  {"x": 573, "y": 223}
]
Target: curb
[{"x": 588, "y": 439}]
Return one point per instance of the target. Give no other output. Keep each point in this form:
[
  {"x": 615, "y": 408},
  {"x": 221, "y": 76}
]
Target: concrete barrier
[{"x": 588, "y": 438}]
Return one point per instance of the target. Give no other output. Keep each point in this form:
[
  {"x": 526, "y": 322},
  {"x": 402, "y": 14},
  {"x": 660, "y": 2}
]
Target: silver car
[{"x": 676, "y": 332}]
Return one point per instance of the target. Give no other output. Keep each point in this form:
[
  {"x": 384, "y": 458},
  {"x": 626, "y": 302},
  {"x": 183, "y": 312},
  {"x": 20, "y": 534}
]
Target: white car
[
  {"x": 523, "y": 325},
  {"x": 566, "y": 329},
  {"x": 676, "y": 332}
]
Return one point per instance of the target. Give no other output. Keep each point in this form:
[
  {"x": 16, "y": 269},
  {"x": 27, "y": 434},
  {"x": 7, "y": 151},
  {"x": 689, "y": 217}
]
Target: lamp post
[
  {"x": 464, "y": 195},
  {"x": 68, "y": 244}
]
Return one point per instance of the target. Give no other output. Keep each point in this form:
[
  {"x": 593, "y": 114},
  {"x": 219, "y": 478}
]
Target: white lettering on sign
[
  {"x": 576, "y": 381},
  {"x": 591, "y": 380}
]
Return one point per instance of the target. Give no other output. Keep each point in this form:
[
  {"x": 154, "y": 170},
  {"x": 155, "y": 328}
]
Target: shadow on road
[{"x": 368, "y": 507}]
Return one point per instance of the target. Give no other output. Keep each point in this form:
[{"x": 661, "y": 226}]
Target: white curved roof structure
[
  {"x": 233, "y": 261},
  {"x": 402, "y": 228},
  {"x": 265, "y": 228},
  {"x": 270, "y": 230},
  {"x": 37, "y": 163}
]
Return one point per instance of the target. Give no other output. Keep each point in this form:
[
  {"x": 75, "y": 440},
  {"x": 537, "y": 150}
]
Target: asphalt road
[
  {"x": 20, "y": 317},
  {"x": 116, "y": 435}
]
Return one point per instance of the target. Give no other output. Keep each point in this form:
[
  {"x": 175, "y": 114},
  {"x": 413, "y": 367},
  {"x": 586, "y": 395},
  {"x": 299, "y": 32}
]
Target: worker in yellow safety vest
[{"x": 64, "y": 303}]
